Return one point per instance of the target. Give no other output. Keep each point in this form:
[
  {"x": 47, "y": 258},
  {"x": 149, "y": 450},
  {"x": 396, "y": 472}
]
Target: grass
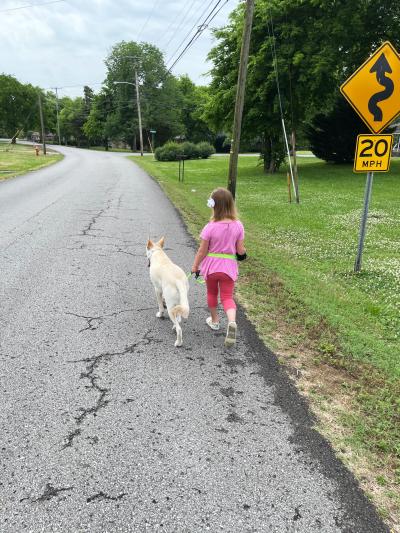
[
  {"x": 16, "y": 159},
  {"x": 340, "y": 331}
]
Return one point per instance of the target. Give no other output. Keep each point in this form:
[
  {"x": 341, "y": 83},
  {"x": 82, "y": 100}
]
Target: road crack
[
  {"x": 91, "y": 374},
  {"x": 93, "y": 322},
  {"x": 104, "y": 497},
  {"x": 48, "y": 493}
]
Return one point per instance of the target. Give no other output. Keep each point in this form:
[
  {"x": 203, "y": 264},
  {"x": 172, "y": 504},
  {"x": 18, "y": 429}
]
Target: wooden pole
[
  {"x": 289, "y": 187},
  {"x": 139, "y": 112},
  {"x": 58, "y": 118},
  {"x": 42, "y": 124},
  {"x": 240, "y": 92}
]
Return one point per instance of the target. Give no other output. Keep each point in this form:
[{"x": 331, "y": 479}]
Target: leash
[{"x": 197, "y": 278}]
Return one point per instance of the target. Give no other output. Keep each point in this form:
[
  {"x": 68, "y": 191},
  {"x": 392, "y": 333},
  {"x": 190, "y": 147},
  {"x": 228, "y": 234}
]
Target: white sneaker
[
  {"x": 211, "y": 324},
  {"x": 230, "y": 338}
]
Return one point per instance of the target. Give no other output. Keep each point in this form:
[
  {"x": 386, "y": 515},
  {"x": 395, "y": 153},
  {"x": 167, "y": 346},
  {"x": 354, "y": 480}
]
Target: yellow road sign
[
  {"x": 373, "y": 153},
  {"x": 374, "y": 89}
]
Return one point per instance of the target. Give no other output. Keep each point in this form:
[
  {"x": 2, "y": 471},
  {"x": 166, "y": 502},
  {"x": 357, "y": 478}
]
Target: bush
[
  {"x": 190, "y": 150},
  {"x": 205, "y": 149},
  {"x": 172, "y": 151},
  {"x": 169, "y": 152}
]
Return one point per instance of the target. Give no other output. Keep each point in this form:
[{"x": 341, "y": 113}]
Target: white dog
[{"x": 170, "y": 284}]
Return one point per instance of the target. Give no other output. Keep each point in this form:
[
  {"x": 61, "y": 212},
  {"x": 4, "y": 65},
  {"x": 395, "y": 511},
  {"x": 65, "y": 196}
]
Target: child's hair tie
[{"x": 211, "y": 202}]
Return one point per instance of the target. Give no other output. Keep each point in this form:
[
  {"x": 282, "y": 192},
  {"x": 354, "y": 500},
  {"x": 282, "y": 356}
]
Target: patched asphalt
[{"x": 105, "y": 425}]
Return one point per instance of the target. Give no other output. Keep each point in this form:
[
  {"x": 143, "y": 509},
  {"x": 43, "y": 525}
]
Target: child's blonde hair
[{"x": 224, "y": 205}]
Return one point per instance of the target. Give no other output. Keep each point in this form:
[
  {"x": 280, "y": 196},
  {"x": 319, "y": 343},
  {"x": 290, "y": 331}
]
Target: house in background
[{"x": 396, "y": 138}]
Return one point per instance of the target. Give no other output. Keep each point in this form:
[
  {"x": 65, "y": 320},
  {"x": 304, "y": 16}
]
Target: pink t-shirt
[{"x": 222, "y": 238}]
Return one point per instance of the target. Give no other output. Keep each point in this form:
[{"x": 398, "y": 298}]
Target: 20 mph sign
[{"x": 373, "y": 153}]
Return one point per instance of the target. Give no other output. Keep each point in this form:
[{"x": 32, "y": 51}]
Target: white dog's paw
[
  {"x": 160, "y": 314},
  {"x": 178, "y": 343}
]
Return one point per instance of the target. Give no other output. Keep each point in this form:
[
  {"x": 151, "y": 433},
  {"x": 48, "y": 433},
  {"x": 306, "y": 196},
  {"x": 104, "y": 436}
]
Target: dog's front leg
[{"x": 160, "y": 302}]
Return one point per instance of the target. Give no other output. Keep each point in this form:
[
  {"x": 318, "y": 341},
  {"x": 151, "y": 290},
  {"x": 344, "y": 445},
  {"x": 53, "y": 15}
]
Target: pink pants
[{"x": 225, "y": 285}]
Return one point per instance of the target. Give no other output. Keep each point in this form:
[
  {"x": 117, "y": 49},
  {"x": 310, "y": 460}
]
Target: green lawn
[
  {"x": 19, "y": 158},
  {"x": 298, "y": 285}
]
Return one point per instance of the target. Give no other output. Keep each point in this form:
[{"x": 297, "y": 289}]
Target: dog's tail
[{"x": 183, "y": 308}]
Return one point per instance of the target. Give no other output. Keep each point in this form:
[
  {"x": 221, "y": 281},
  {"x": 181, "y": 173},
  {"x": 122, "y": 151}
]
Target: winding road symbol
[
  {"x": 381, "y": 68},
  {"x": 373, "y": 90}
]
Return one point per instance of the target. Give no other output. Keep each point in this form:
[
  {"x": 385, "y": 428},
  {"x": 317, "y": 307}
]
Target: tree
[
  {"x": 159, "y": 94},
  {"x": 332, "y": 136},
  {"x": 194, "y": 99},
  {"x": 315, "y": 53},
  {"x": 18, "y": 106},
  {"x": 72, "y": 118},
  {"x": 95, "y": 127}
]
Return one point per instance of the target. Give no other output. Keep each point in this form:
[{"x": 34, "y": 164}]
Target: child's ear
[
  {"x": 149, "y": 244},
  {"x": 161, "y": 242}
]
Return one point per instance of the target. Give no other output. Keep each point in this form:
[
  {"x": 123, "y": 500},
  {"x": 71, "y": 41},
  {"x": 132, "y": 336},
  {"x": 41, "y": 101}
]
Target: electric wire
[
  {"x": 198, "y": 33},
  {"x": 31, "y": 5},
  {"x": 177, "y": 28},
  {"x": 148, "y": 18},
  {"x": 191, "y": 29},
  {"x": 271, "y": 34}
]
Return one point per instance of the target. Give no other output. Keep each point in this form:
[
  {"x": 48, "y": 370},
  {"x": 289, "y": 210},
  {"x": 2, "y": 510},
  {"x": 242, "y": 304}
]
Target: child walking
[{"x": 222, "y": 245}]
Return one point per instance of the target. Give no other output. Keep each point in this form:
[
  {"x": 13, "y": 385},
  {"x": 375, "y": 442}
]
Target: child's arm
[
  {"x": 240, "y": 250},
  {"x": 201, "y": 253},
  {"x": 240, "y": 247}
]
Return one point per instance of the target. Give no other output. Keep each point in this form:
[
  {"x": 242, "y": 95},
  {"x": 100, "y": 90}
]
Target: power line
[
  {"x": 148, "y": 18},
  {"x": 200, "y": 30},
  {"x": 179, "y": 26},
  {"x": 72, "y": 86},
  {"x": 31, "y": 5},
  {"x": 191, "y": 29},
  {"x": 271, "y": 35}
]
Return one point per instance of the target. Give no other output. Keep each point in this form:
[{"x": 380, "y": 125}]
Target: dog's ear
[
  {"x": 161, "y": 242},
  {"x": 149, "y": 244}
]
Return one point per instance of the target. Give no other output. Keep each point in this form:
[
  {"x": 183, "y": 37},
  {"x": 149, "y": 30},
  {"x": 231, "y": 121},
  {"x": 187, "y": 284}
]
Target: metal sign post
[{"x": 364, "y": 218}]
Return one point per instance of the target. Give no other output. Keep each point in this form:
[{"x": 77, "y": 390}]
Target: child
[{"x": 222, "y": 242}]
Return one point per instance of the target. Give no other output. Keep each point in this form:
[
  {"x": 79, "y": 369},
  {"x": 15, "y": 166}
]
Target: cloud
[{"x": 66, "y": 43}]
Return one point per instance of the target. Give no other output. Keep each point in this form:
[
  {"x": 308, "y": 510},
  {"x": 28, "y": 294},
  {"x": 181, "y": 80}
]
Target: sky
[{"x": 64, "y": 42}]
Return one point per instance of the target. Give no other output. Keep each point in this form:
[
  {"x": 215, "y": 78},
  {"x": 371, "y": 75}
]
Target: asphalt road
[{"x": 104, "y": 425}]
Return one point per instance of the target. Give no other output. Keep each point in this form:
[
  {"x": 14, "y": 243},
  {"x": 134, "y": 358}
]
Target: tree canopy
[{"x": 312, "y": 47}]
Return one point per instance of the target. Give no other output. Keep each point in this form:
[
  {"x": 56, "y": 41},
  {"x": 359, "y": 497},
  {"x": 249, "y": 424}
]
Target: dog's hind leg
[
  {"x": 177, "y": 327},
  {"x": 160, "y": 302}
]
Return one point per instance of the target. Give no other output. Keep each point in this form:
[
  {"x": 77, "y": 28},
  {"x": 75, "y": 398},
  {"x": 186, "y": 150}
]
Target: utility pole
[
  {"x": 58, "y": 119},
  {"x": 240, "y": 92},
  {"x": 139, "y": 112},
  {"x": 42, "y": 124}
]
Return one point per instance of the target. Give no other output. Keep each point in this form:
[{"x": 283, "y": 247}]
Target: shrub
[
  {"x": 169, "y": 152},
  {"x": 190, "y": 150},
  {"x": 205, "y": 149}
]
